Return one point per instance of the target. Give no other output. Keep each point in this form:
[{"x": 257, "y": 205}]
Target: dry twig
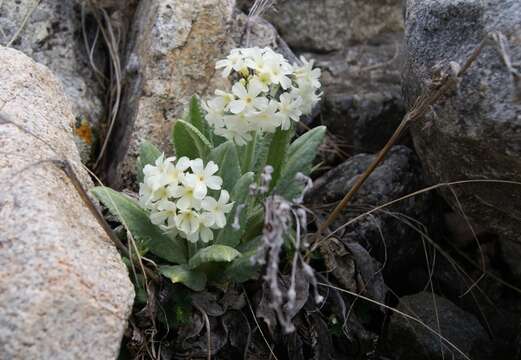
[{"x": 441, "y": 84}]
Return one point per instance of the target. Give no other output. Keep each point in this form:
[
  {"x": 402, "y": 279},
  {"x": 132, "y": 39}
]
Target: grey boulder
[
  {"x": 409, "y": 340},
  {"x": 64, "y": 291},
  {"x": 393, "y": 235},
  {"x": 50, "y": 32},
  {"x": 475, "y": 133},
  {"x": 328, "y": 25},
  {"x": 362, "y": 93}
]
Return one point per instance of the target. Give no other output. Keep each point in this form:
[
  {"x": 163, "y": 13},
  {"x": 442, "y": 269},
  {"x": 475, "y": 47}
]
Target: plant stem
[
  {"x": 277, "y": 153},
  {"x": 361, "y": 179},
  {"x": 192, "y": 249},
  {"x": 249, "y": 155}
]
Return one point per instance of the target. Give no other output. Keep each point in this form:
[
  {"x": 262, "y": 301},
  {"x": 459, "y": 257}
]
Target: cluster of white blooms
[
  {"x": 177, "y": 195},
  {"x": 268, "y": 92}
]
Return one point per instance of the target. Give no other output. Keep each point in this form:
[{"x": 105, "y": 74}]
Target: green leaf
[
  {"x": 195, "y": 280},
  {"x": 213, "y": 253},
  {"x": 301, "y": 154},
  {"x": 261, "y": 152},
  {"x": 138, "y": 223},
  {"x": 225, "y": 156},
  {"x": 242, "y": 269},
  {"x": 254, "y": 225},
  {"x": 277, "y": 153},
  {"x": 218, "y": 140},
  {"x": 247, "y": 153},
  {"x": 195, "y": 116},
  {"x": 189, "y": 141},
  {"x": 148, "y": 154},
  {"x": 230, "y": 236}
]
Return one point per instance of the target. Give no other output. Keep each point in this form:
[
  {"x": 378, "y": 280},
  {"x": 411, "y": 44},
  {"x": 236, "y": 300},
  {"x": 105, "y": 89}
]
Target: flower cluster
[
  {"x": 268, "y": 92},
  {"x": 177, "y": 194}
]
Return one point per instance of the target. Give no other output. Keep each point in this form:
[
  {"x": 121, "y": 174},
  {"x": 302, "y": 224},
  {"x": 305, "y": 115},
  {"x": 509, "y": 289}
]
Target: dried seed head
[{"x": 280, "y": 216}]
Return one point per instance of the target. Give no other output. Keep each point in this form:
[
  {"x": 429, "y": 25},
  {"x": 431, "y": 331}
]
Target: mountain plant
[{"x": 200, "y": 214}]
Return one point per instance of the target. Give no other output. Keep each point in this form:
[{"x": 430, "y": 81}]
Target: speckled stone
[
  {"x": 476, "y": 132},
  {"x": 330, "y": 25},
  {"x": 409, "y": 340},
  {"x": 64, "y": 291},
  {"x": 52, "y": 36}
]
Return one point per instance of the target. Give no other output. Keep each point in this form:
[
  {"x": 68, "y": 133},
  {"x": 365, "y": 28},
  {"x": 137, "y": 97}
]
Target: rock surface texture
[
  {"x": 172, "y": 52},
  {"x": 412, "y": 341},
  {"x": 328, "y": 25},
  {"x": 476, "y": 132},
  {"x": 64, "y": 291},
  {"x": 50, "y": 32},
  {"x": 385, "y": 234},
  {"x": 362, "y": 94}
]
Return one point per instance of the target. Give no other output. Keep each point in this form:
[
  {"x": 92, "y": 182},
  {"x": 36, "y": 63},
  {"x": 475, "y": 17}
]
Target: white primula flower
[
  {"x": 174, "y": 174},
  {"x": 145, "y": 195},
  {"x": 256, "y": 59},
  {"x": 236, "y": 134},
  {"x": 215, "y": 110},
  {"x": 225, "y": 97},
  {"x": 248, "y": 99},
  {"x": 260, "y": 77},
  {"x": 173, "y": 192},
  {"x": 187, "y": 221},
  {"x": 268, "y": 119},
  {"x": 186, "y": 198},
  {"x": 154, "y": 173},
  {"x": 306, "y": 74},
  {"x": 309, "y": 98},
  {"x": 261, "y": 82},
  {"x": 205, "y": 230},
  {"x": 234, "y": 61},
  {"x": 150, "y": 197},
  {"x": 280, "y": 75},
  {"x": 166, "y": 211},
  {"x": 289, "y": 109},
  {"x": 216, "y": 209},
  {"x": 202, "y": 178}
]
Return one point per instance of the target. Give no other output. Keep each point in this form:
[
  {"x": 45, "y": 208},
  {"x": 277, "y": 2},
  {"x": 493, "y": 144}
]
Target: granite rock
[
  {"x": 475, "y": 132},
  {"x": 64, "y": 291},
  {"x": 392, "y": 236},
  {"x": 408, "y": 339}
]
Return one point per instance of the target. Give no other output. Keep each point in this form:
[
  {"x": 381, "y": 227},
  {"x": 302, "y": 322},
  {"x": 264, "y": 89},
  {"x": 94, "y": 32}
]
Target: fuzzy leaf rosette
[
  {"x": 267, "y": 93},
  {"x": 179, "y": 196}
]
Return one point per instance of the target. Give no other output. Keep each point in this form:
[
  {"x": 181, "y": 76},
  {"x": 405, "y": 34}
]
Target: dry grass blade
[
  {"x": 408, "y": 196},
  {"x": 422, "y": 106},
  {"x": 260, "y": 6},
  {"x": 90, "y": 48},
  {"x": 258, "y": 325},
  {"x": 407, "y": 316},
  {"x": 24, "y": 22},
  {"x": 208, "y": 329},
  {"x": 127, "y": 252},
  {"x": 2, "y": 30},
  {"x": 257, "y": 9},
  {"x": 112, "y": 42}
]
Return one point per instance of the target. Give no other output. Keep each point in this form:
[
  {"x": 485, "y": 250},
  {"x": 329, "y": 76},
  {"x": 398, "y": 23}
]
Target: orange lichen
[{"x": 84, "y": 132}]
